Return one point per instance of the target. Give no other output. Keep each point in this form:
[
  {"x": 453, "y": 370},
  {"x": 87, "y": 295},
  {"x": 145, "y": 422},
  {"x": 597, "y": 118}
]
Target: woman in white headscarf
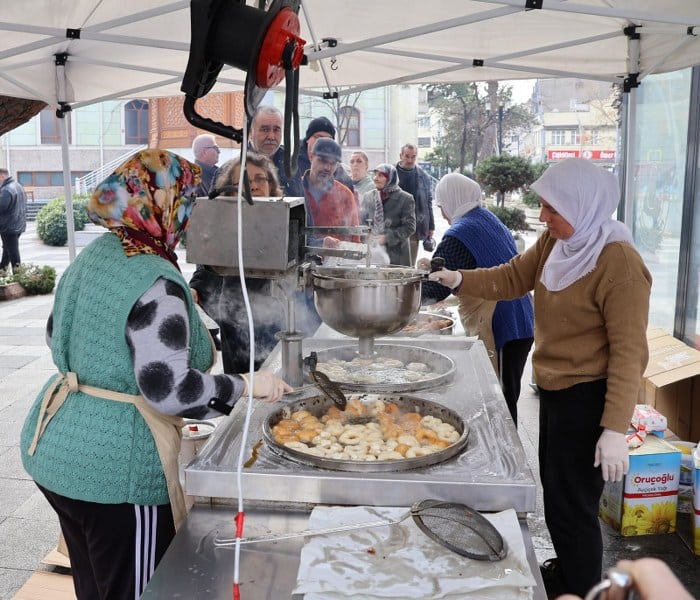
[
  {"x": 476, "y": 239},
  {"x": 591, "y": 292}
]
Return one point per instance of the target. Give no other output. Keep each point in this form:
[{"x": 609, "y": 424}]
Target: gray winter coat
[{"x": 13, "y": 207}]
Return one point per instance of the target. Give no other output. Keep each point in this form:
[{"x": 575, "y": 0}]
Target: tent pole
[
  {"x": 67, "y": 187},
  {"x": 630, "y": 88},
  {"x": 63, "y": 108}
]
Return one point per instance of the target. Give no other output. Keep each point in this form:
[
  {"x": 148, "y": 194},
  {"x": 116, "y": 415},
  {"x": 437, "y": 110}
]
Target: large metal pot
[{"x": 367, "y": 302}]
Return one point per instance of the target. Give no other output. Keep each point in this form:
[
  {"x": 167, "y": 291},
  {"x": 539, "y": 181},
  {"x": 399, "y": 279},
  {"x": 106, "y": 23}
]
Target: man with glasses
[
  {"x": 266, "y": 138},
  {"x": 206, "y": 155}
]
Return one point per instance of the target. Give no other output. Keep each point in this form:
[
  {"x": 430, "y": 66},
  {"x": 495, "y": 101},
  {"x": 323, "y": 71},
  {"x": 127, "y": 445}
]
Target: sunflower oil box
[
  {"x": 671, "y": 383},
  {"x": 645, "y": 501}
]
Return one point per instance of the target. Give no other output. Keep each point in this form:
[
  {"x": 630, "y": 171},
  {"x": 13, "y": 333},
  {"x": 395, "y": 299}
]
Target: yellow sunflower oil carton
[{"x": 645, "y": 501}]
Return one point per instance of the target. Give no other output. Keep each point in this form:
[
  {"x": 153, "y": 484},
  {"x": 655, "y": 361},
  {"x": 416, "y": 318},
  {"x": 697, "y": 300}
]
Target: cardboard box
[
  {"x": 671, "y": 384},
  {"x": 645, "y": 501}
]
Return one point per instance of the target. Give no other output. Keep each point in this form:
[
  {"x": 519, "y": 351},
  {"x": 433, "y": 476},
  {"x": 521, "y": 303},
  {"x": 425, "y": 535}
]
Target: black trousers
[
  {"x": 511, "y": 363},
  {"x": 569, "y": 430},
  {"x": 10, "y": 250},
  {"x": 113, "y": 548}
]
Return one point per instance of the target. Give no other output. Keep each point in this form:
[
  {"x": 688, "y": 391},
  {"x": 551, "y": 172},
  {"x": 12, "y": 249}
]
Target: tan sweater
[{"x": 593, "y": 329}]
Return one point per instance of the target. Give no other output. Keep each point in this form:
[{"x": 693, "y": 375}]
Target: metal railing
[{"x": 87, "y": 183}]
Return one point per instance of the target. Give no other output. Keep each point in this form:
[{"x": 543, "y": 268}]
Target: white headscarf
[
  {"x": 586, "y": 196},
  {"x": 456, "y": 194}
]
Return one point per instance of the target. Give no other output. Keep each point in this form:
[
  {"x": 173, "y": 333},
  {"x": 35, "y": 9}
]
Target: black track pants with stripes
[{"x": 114, "y": 548}]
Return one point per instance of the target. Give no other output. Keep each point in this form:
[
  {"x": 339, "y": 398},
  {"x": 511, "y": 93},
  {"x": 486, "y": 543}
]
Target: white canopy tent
[{"x": 72, "y": 53}]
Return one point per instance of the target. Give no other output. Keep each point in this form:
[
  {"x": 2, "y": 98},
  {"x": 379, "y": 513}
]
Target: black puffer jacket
[{"x": 13, "y": 207}]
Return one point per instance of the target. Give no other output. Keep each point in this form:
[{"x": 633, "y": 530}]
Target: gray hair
[
  {"x": 266, "y": 109},
  {"x": 201, "y": 142}
]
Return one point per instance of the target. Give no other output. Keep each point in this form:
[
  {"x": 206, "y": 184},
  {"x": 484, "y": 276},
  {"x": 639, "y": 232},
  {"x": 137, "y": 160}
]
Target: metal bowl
[
  {"x": 424, "y": 324},
  {"x": 367, "y": 302},
  {"x": 318, "y": 405}
]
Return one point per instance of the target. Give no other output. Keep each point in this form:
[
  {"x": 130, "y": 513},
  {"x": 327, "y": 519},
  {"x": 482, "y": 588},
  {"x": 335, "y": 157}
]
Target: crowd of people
[{"x": 580, "y": 294}]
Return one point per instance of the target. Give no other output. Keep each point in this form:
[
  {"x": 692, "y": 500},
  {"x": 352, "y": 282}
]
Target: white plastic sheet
[{"x": 400, "y": 561}]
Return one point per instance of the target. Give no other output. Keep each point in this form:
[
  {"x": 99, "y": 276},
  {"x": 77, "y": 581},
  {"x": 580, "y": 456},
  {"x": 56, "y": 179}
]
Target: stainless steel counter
[
  {"x": 194, "y": 569},
  {"x": 491, "y": 474}
]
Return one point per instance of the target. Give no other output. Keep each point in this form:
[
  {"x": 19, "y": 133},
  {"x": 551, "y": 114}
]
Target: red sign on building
[{"x": 606, "y": 155}]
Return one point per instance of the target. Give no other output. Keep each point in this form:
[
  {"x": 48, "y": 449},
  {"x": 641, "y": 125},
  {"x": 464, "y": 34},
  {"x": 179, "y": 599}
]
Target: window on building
[
  {"x": 46, "y": 178},
  {"x": 558, "y": 137},
  {"x": 136, "y": 122},
  {"x": 50, "y": 126},
  {"x": 349, "y": 118},
  {"x": 424, "y": 122},
  {"x": 424, "y": 142},
  {"x": 574, "y": 137}
]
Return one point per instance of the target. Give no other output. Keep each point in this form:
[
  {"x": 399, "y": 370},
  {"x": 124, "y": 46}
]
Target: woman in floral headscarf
[
  {"x": 396, "y": 208},
  {"x": 103, "y": 437}
]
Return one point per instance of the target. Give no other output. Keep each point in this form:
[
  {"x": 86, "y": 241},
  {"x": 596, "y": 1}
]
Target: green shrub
[
  {"x": 530, "y": 199},
  {"x": 35, "y": 279},
  {"x": 6, "y": 276},
  {"x": 513, "y": 218},
  {"x": 51, "y": 220}
]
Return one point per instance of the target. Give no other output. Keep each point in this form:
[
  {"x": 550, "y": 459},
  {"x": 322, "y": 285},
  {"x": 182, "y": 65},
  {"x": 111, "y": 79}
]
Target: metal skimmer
[{"x": 455, "y": 526}]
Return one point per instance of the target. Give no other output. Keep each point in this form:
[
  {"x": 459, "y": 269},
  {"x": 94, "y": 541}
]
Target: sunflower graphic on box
[{"x": 655, "y": 518}]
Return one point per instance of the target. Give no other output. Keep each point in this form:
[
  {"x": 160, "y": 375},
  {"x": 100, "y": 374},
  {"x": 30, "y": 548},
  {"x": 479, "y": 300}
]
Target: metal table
[{"x": 491, "y": 474}]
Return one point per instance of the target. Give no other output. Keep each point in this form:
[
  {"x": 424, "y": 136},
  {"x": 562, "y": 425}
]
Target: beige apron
[
  {"x": 476, "y": 315},
  {"x": 166, "y": 430}
]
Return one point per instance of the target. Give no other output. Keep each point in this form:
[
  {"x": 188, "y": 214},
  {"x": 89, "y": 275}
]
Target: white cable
[{"x": 251, "y": 358}]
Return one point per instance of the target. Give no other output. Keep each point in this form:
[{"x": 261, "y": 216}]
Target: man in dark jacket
[
  {"x": 266, "y": 138},
  {"x": 13, "y": 218},
  {"x": 416, "y": 181},
  {"x": 206, "y": 155}
]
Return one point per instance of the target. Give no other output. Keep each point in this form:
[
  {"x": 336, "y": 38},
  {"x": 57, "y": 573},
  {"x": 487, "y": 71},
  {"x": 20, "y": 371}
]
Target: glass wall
[{"x": 657, "y": 190}]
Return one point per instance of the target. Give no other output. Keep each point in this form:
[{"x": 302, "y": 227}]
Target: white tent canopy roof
[{"x": 139, "y": 48}]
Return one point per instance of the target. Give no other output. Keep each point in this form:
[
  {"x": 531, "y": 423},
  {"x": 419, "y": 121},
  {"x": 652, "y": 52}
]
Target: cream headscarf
[
  {"x": 586, "y": 196},
  {"x": 456, "y": 194}
]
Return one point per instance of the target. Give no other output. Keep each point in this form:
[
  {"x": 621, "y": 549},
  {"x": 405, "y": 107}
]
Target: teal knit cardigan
[{"x": 94, "y": 449}]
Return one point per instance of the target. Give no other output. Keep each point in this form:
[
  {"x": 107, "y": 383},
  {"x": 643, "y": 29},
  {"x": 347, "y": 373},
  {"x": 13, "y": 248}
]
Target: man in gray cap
[
  {"x": 328, "y": 202},
  {"x": 322, "y": 128}
]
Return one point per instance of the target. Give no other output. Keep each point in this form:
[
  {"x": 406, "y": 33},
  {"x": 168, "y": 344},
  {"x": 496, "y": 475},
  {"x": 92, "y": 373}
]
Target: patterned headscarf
[
  {"x": 456, "y": 194},
  {"x": 147, "y": 202},
  {"x": 392, "y": 178}
]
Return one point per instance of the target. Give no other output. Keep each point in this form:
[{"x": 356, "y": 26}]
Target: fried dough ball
[
  {"x": 389, "y": 455},
  {"x": 307, "y": 435},
  {"x": 356, "y": 408},
  {"x": 391, "y": 431},
  {"x": 418, "y": 366},
  {"x": 301, "y": 414},
  {"x": 408, "y": 440},
  {"x": 391, "y": 409},
  {"x": 426, "y": 435},
  {"x": 418, "y": 452},
  {"x": 296, "y": 446},
  {"x": 285, "y": 439},
  {"x": 377, "y": 407},
  {"x": 402, "y": 449}
]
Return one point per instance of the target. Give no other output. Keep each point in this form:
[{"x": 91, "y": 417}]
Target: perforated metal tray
[
  {"x": 318, "y": 405},
  {"x": 442, "y": 367}
]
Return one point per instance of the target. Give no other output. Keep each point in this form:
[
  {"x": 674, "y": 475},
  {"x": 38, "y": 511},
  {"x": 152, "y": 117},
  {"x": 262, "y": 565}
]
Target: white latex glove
[
  {"x": 267, "y": 386},
  {"x": 450, "y": 279},
  {"x": 612, "y": 454}
]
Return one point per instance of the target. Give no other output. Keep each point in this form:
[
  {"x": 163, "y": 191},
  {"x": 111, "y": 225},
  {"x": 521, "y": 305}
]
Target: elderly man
[
  {"x": 415, "y": 181},
  {"x": 359, "y": 165},
  {"x": 328, "y": 202},
  {"x": 206, "y": 155},
  {"x": 266, "y": 138},
  {"x": 13, "y": 218}
]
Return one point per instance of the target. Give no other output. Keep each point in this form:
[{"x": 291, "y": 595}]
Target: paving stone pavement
[{"x": 29, "y": 528}]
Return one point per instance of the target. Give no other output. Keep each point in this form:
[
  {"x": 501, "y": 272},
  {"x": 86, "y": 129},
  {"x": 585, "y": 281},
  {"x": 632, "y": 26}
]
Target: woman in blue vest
[
  {"x": 477, "y": 238},
  {"x": 102, "y": 438}
]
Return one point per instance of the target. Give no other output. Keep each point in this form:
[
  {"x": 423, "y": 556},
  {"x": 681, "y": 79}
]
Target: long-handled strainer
[{"x": 453, "y": 525}]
